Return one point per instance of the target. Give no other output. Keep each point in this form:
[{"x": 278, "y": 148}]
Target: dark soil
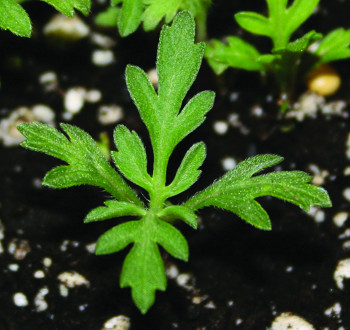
[{"x": 245, "y": 276}]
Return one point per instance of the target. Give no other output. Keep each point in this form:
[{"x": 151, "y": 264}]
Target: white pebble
[
  {"x": 47, "y": 262},
  {"x": 69, "y": 28},
  {"x": 347, "y": 170},
  {"x": 102, "y": 57},
  {"x": 93, "y": 96},
  {"x": 74, "y": 99},
  {"x": 43, "y": 113},
  {"x": 64, "y": 292},
  {"x": 320, "y": 216},
  {"x": 228, "y": 163},
  {"x": 220, "y": 127},
  {"x": 20, "y": 299},
  {"x": 120, "y": 322},
  {"x": 102, "y": 40},
  {"x": 39, "y": 300},
  {"x": 288, "y": 321},
  {"x": 91, "y": 247},
  {"x": 172, "y": 271},
  {"x": 342, "y": 272},
  {"x": 210, "y": 305},
  {"x": 39, "y": 274},
  {"x": 346, "y": 194},
  {"x": 13, "y": 267},
  {"x": 333, "y": 311},
  {"x": 109, "y": 114},
  {"x": 340, "y": 218},
  {"x": 49, "y": 80},
  {"x": 72, "y": 279}
]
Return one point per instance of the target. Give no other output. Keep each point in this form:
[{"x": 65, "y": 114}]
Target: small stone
[
  {"x": 346, "y": 194},
  {"x": 74, "y": 99},
  {"x": 153, "y": 77},
  {"x": 64, "y": 292},
  {"x": 39, "y": 300},
  {"x": 323, "y": 80},
  {"x": 340, "y": 218},
  {"x": 228, "y": 163},
  {"x": 39, "y": 274},
  {"x": 220, "y": 127},
  {"x": 20, "y": 299},
  {"x": 120, "y": 322},
  {"x": 13, "y": 267},
  {"x": 67, "y": 28},
  {"x": 109, "y": 114},
  {"x": 19, "y": 248},
  {"x": 333, "y": 311},
  {"x": 102, "y": 57},
  {"x": 49, "y": 81},
  {"x": 47, "y": 262},
  {"x": 72, "y": 279},
  {"x": 93, "y": 96},
  {"x": 288, "y": 321},
  {"x": 172, "y": 271},
  {"x": 342, "y": 272},
  {"x": 91, "y": 247}
]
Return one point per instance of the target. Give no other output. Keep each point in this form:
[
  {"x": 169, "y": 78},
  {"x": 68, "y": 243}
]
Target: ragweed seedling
[
  {"x": 178, "y": 62},
  {"x": 14, "y": 18},
  {"x": 288, "y": 60}
]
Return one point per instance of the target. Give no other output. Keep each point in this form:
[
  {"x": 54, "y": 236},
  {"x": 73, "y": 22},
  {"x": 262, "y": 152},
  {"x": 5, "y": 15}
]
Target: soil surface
[{"x": 237, "y": 277}]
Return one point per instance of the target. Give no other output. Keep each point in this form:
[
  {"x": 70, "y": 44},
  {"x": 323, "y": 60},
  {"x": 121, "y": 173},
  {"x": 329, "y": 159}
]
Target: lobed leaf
[
  {"x": 129, "y": 17},
  {"x": 143, "y": 271},
  {"x": 236, "y": 190},
  {"x": 131, "y": 157},
  {"x": 171, "y": 240},
  {"x": 178, "y": 212},
  {"x": 87, "y": 164},
  {"x": 299, "y": 45},
  {"x": 254, "y": 23},
  {"x": 157, "y": 9},
  {"x": 334, "y": 46},
  {"x": 118, "y": 238},
  {"x": 236, "y": 54},
  {"x": 113, "y": 209},
  {"x": 14, "y": 18},
  {"x": 188, "y": 172},
  {"x": 67, "y": 7}
]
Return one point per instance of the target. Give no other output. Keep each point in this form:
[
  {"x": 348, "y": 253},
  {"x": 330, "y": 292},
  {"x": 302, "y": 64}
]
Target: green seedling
[
  {"x": 14, "y": 18},
  {"x": 288, "y": 60},
  {"x": 127, "y": 15},
  {"x": 178, "y": 62}
]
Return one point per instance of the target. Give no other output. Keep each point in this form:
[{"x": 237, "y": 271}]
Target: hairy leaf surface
[
  {"x": 236, "y": 190},
  {"x": 87, "y": 165}
]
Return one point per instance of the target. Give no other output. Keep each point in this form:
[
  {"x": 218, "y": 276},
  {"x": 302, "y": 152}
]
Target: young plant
[
  {"x": 14, "y": 18},
  {"x": 288, "y": 60},
  {"x": 127, "y": 15},
  {"x": 178, "y": 62}
]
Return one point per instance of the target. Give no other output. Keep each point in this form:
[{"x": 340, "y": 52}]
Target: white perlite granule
[
  {"x": 20, "y": 299},
  {"x": 120, "y": 322},
  {"x": 342, "y": 272},
  {"x": 288, "y": 321}
]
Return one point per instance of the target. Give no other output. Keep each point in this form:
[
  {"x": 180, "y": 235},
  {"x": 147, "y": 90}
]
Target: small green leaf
[
  {"x": 14, "y": 18},
  {"x": 301, "y": 44},
  {"x": 143, "y": 271},
  {"x": 118, "y": 238},
  {"x": 67, "y": 7},
  {"x": 334, "y": 46},
  {"x": 171, "y": 240},
  {"x": 236, "y": 54},
  {"x": 107, "y": 18},
  {"x": 113, "y": 209},
  {"x": 188, "y": 172},
  {"x": 236, "y": 190},
  {"x": 178, "y": 212},
  {"x": 254, "y": 23},
  {"x": 130, "y": 16},
  {"x": 131, "y": 157},
  {"x": 157, "y": 9}
]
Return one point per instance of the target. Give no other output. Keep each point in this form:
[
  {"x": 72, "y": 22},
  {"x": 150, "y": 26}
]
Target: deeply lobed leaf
[
  {"x": 236, "y": 190},
  {"x": 86, "y": 163}
]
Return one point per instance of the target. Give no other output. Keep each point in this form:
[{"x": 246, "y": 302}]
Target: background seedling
[{"x": 289, "y": 61}]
